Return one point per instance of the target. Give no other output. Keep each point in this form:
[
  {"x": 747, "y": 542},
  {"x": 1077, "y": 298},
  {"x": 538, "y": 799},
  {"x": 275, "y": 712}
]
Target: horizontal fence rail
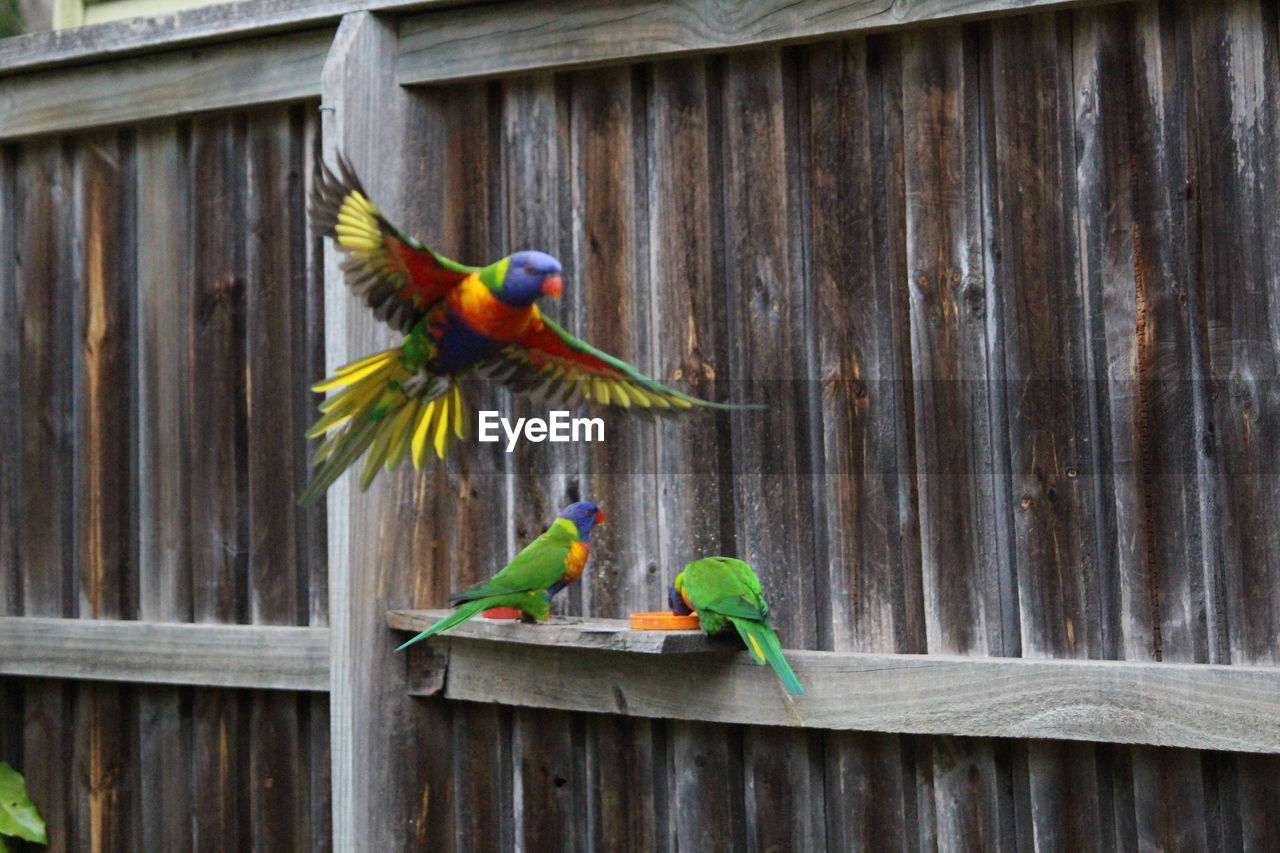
[
  {"x": 602, "y": 666},
  {"x": 256, "y": 656}
]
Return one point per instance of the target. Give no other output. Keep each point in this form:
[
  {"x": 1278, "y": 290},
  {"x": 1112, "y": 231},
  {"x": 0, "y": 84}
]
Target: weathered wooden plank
[
  {"x": 456, "y": 135},
  {"x": 105, "y": 756},
  {"x": 216, "y": 397},
  {"x": 963, "y": 538},
  {"x": 184, "y": 28},
  {"x": 768, "y": 304},
  {"x": 538, "y": 205},
  {"x": 47, "y": 279},
  {"x": 611, "y": 634},
  {"x": 164, "y": 555},
  {"x": 269, "y": 70},
  {"x": 275, "y": 312},
  {"x": 458, "y": 43},
  {"x": 1131, "y": 173},
  {"x": 222, "y": 22},
  {"x": 1201, "y": 706},
  {"x": 1230, "y": 57},
  {"x": 869, "y": 569},
  {"x": 269, "y": 657},
  {"x": 690, "y": 342},
  {"x": 376, "y": 794}
]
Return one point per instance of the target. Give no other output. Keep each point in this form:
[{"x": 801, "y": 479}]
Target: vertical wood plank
[
  {"x": 1052, "y": 416},
  {"x": 163, "y": 365},
  {"x": 12, "y": 691},
  {"x": 690, "y": 340},
  {"x": 47, "y": 281},
  {"x": 106, "y": 766},
  {"x": 608, "y": 148},
  {"x": 1232, "y": 59},
  {"x": 549, "y": 790},
  {"x": 865, "y": 484},
  {"x": 380, "y": 801},
  {"x": 1131, "y": 168},
  {"x": 275, "y": 318},
  {"x": 219, "y": 479},
  {"x": 766, "y": 269},
  {"x": 964, "y": 539}
]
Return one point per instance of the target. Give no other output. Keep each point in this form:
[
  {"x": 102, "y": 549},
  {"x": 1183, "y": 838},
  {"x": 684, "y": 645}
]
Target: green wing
[
  {"x": 722, "y": 582},
  {"x": 538, "y": 566}
]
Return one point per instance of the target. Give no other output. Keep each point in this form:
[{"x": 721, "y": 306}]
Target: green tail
[
  {"x": 532, "y": 602},
  {"x": 765, "y": 648}
]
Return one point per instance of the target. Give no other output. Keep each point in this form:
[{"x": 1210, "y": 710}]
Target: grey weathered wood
[
  {"x": 375, "y": 792},
  {"x": 268, "y": 70},
  {"x": 569, "y": 631},
  {"x": 1199, "y": 706},
  {"x": 213, "y": 23},
  {"x": 269, "y": 657},
  {"x": 162, "y": 256},
  {"x": 458, "y": 43}
]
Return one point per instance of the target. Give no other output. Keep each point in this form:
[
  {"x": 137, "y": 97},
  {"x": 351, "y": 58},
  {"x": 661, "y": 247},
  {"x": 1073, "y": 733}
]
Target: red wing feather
[{"x": 395, "y": 275}]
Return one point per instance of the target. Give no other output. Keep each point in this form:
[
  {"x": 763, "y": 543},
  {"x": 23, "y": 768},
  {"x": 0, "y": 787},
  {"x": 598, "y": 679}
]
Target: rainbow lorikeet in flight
[
  {"x": 545, "y": 566},
  {"x": 723, "y": 590},
  {"x": 457, "y": 320}
]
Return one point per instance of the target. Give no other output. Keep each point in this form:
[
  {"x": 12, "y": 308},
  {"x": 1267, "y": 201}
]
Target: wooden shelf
[
  {"x": 602, "y": 665},
  {"x": 615, "y": 635}
]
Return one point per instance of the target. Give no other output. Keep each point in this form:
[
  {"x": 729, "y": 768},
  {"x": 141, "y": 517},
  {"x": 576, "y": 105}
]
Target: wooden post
[{"x": 362, "y": 110}]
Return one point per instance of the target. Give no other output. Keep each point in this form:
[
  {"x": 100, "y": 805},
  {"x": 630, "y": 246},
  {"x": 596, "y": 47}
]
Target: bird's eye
[{"x": 528, "y": 269}]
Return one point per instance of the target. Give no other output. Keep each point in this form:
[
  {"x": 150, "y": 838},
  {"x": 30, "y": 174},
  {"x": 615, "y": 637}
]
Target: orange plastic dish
[
  {"x": 501, "y": 613},
  {"x": 664, "y": 621}
]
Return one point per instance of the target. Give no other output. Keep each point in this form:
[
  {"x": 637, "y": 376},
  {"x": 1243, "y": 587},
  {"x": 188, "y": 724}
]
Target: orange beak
[
  {"x": 600, "y": 516},
  {"x": 553, "y": 285}
]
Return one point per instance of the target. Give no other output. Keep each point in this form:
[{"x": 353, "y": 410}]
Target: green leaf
[{"x": 18, "y": 815}]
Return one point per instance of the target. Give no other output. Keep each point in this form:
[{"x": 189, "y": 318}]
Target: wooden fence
[{"x": 1004, "y": 270}]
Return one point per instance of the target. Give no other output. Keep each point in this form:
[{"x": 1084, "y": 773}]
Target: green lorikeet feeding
[
  {"x": 457, "y": 321},
  {"x": 545, "y": 566},
  {"x": 722, "y": 590}
]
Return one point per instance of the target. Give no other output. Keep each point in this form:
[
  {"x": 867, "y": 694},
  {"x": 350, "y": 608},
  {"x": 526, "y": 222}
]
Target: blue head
[
  {"x": 585, "y": 515},
  {"x": 529, "y": 276}
]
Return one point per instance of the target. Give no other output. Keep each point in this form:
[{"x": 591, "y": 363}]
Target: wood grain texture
[
  {"x": 459, "y": 43},
  {"x": 219, "y": 535},
  {"x": 268, "y": 70},
  {"x": 690, "y": 344},
  {"x": 222, "y": 22},
  {"x": 166, "y": 652},
  {"x": 46, "y": 537},
  {"x": 105, "y": 756},
  {"x": 369, "y": 552},
  {"x": 964, "y": 537},
  {"x": 164, "y": 553},
  {"x": 1189, "y": 705}
]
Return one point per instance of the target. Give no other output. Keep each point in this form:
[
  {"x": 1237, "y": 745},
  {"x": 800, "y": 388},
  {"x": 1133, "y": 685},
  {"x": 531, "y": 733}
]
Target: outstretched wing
[
  {"x": 550, "y": 365},
  {"x": 393, "y": 273}
]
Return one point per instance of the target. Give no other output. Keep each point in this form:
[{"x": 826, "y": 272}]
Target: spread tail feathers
[
  {"x": 385, "y": 409},
  {"x": 765, "y": 648}
]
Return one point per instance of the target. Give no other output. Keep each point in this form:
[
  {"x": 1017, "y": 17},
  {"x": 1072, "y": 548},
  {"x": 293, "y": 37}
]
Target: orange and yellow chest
[
  {"x": 476, "y": 306},
  {"x": 576, "y": 560}
]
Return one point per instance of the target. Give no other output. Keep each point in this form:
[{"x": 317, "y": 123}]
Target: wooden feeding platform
[{"x": 602, "y": 665}]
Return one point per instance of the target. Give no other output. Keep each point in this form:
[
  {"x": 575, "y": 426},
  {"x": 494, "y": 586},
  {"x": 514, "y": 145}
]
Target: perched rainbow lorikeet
[
  {"x": 722, "y": 590},
  {"x": 458, "y": 321},
  {"x": 546, "y": 565}
]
